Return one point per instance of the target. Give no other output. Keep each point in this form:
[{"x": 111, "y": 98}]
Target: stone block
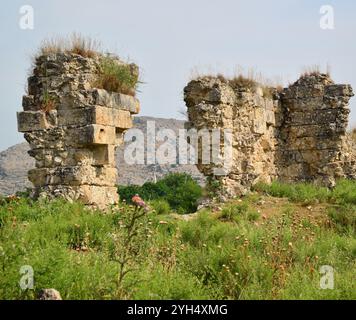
[
  {"x": 97, "y": 195},
  {"x": 270, "y": 117},
  {"x": 28, "y": 121},
  {"x": 269, "y": 104},
  {"x": 116, "y": 101},
  {"x": 111, "y": 117},
  {"x": 96, "y": 134},
  {"x": 74, "y": 176},
  {"x": 39, "y": 177},
  {"x": 28, "y": 103},
  {"x": 259, "y": 122},
  {"x": 339, "y": 90},
  {"x": 103, "y": 154},
  {"x": 95, "y": 115},
  {"x": 75, "y": 116}
]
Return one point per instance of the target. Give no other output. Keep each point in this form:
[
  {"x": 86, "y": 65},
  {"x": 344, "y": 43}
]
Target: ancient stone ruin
[
  {"x": 295, "y": 134},
  {"x": 73, "y": 128}
]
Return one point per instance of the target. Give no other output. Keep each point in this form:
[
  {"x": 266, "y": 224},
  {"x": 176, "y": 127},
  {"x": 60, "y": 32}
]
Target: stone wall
[
  {"x": 213, "y": 103},
  {"x": 314, "y": 145},
  {"x": 73, "y": 129},
  {"x": 298, "y": 134}
]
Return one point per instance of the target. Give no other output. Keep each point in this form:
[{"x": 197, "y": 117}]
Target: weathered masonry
[
  {"x": 297, "y": 134},
  {"x": 73, "y": 129}
]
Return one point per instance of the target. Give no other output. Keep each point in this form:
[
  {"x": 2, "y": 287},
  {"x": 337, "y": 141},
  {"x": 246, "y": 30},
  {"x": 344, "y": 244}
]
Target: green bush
[
  {"x": 127, "y": 192},
  {"x": 160, "y": 206},
  {"x": 178, "y": 189}
]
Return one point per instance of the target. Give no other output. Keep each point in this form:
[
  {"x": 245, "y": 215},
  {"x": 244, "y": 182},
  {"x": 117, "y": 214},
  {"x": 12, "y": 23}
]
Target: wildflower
[{"x": 138, "y": 202}]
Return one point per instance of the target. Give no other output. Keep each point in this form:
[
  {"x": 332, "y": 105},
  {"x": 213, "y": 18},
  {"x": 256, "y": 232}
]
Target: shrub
[
  {"x": 161, "y": 206},
  {"x": 127, "y": 192},
  {"x": 178, "y": 189},
  {"x": 117, "y": 77}
]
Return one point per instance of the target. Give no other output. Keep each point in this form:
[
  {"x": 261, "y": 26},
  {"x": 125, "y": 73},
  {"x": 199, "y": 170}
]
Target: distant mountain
[{"x": 15, "y": 162}]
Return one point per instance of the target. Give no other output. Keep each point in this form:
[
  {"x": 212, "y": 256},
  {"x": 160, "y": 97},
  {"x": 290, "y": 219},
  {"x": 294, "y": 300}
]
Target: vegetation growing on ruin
[
  {"x": 270, "y": 244},
  {"x": 74, "y": 43},
  {"x": 315, "y": 70},
  {"x": 249, "y": 81},
  {"x": 48, "y": 103},
  {"x": 114, "y": 75},
  {"x": 117, "y": 77}
]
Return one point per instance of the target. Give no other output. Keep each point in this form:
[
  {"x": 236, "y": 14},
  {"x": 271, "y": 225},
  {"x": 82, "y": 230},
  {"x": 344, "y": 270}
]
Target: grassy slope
[{"x": 264, "y": 246}]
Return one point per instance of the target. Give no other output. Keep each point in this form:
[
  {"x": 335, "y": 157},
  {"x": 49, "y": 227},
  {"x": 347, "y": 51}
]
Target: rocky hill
[{"x": 15, "y": 162}]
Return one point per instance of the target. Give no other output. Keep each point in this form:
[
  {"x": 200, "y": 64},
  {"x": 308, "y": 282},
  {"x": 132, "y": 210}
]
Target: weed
[
  {"x": 79, "y": 252},
  {"x": 160, "y": 206}
]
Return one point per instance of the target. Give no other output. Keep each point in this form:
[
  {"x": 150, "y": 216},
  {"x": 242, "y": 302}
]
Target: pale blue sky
[{"x": 167, "y": 39}]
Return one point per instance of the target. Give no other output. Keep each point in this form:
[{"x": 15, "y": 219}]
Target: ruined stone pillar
[
  {"x": 314, "y": 145},
  {"x": 73, "y": 129},
  {"x": 298, "y": 134},
  {"x": 250, "y": 114}
]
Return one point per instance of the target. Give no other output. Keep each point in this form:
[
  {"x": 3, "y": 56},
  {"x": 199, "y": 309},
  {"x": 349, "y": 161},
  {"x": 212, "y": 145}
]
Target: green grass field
[{"x": 270, "y": 244}]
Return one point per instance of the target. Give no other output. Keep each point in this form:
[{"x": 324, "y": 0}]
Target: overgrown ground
[{"x": 268, "y": 245}]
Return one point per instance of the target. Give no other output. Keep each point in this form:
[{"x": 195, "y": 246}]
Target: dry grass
[
  {"x": 315, "y": 70},
  {"x": 243, "y": 82},
  {"x": 75, "y": 43},
  {"x": 250, "y": 79}
]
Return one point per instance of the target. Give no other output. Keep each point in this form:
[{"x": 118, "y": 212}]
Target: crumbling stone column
[
  {"x": 314, "y": 145},
  {"x": 250, "y": 114},
  {"x": 297, "y": 134},
  {"x": 73, "y": 129}
]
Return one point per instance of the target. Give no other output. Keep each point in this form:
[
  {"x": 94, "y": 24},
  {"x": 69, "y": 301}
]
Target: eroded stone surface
[
  {"x": 298, "y": 134},
  {"x": 73, "y": 129}
]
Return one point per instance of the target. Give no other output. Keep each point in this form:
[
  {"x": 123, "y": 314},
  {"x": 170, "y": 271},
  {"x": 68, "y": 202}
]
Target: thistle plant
[{"x": 131, "y": 241}]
